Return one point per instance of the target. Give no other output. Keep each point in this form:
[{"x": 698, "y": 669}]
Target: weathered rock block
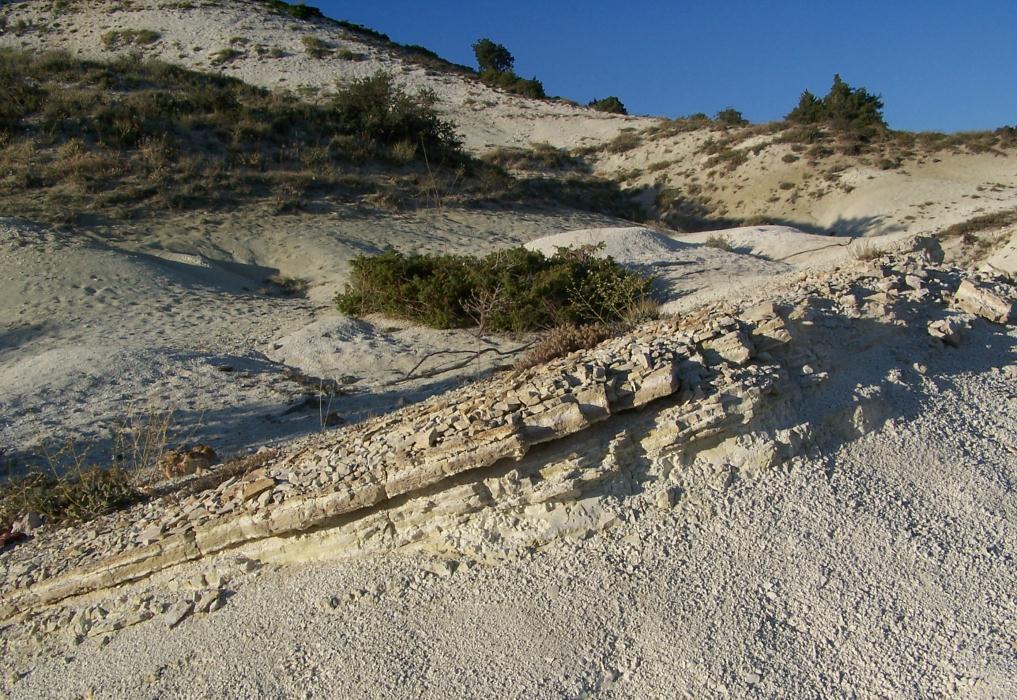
[{"x": 983, "y": 302}]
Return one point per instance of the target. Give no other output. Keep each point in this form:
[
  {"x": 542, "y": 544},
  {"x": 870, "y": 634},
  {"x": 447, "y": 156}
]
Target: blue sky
[{"x": 944, "y": 66}]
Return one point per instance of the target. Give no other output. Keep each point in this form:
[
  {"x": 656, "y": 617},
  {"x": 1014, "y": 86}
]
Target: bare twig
[{"x": 473, "y": 355}]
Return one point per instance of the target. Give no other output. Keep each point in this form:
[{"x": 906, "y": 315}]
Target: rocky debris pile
[{"x": 715, "y": 367}]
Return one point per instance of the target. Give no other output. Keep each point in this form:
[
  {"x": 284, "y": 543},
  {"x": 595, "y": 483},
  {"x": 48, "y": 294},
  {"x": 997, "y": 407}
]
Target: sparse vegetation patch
[
  {"x": 77, "y": 135},
  {"x": 119, "y": 38}
]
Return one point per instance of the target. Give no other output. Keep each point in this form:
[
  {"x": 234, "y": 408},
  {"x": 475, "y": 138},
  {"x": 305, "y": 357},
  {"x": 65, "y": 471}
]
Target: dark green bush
[
  {"x": 511, "y": 82},
  {"x": 843, "y": 108},
  {"x": 510, "y": 290},
  {"x": 492, "y": 57},
  {"x": 611, "y": 104},
  {"x": 731, "y": 117},
  {"x": 495, "y": 63}
]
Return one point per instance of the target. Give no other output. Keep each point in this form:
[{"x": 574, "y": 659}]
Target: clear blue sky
[{"x": 939, "y": 65}]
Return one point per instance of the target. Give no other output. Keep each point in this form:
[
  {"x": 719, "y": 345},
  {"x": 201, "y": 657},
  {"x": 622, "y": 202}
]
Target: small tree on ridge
[{"x": 492, "y": 57}]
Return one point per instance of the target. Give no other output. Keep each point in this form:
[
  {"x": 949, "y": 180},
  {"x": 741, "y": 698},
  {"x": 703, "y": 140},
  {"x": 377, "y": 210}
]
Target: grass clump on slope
[{"x": 512, "y": 290}]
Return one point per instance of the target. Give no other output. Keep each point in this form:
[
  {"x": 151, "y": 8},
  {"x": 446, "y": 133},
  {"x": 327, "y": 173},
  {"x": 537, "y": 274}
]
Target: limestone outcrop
[{"x": 514, "y": 444}]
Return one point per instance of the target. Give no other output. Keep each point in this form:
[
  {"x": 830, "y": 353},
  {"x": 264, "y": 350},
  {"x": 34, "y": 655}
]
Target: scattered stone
[
  {"x": 207, "y": 602},
  {"x": 28, "y": 523},
  {"x": 151, "y": 533},
  {"x": 178, "y": 613},
  {"x": 256, "y": 488},
  {"x": 949, "y": 330}
]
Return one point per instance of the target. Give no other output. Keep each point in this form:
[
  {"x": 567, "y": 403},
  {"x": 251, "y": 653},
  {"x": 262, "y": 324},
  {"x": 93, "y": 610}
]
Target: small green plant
[
  {"x": 494, "y": 63},
  {"x": 510, "y": 290},
  {"x": 378, "y": 114},
  {"x": 539, "y": 157},
  {"x": 296, "y": 10},
  {"x": 315, "y": 47},
  {"x": 81, "y": 496},
  {"x": 284, "y": 286},
  {"x": 119, "y": 38},
  {"x": 983, "y": 222},
  {"x": 133, "y": 136},
  {"x": 511, "y": 82},
  {"x": 492, "y": 57}
]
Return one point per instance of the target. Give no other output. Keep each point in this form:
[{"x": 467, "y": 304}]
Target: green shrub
[
  {"x": 510, "y": 290},
  {"x": 224, "y": 56},
  {"x": 539, "y": 156},
  {"x": 983, "y": 222},
  {"x": 138, "y": 134},
  {"x": 611, "y": 105},
  {"x": 720, "y": 242},
  {"x": 380, "y": 114},
  {"x": 495, "y": 68},
  {"x": 364, "y": 31}
]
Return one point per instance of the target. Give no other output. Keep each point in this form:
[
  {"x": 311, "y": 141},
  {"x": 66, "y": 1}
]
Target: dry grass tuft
[
  {"x": 563, "y": 339},
  {"x": 720, "y": 242},
  {"x": 865, "y": 250}
]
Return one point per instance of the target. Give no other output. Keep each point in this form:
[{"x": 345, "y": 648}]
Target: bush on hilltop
[{"x": 611, "y": 105}]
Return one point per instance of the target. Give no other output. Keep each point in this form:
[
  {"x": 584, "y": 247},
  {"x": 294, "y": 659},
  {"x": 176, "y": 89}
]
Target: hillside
[
  {"x": 320, "y": 381},
  {"x": 688, "y": 172}
]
